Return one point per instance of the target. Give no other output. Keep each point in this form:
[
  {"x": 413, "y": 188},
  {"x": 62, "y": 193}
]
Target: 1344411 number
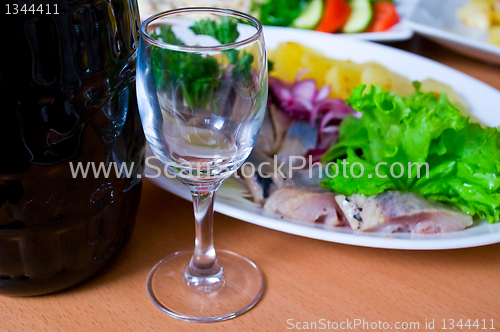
[
  {"x": 478, "y": 324},
  {"x": 43, "y": 9}
]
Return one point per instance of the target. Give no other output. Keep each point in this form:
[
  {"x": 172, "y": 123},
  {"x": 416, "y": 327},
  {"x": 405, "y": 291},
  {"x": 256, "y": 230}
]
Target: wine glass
[{"x": 202, "y": 92}]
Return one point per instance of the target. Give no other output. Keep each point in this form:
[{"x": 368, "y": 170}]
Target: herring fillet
[
  {"x": 395, "y": 211},
  {"x": 306, "y": 206}
]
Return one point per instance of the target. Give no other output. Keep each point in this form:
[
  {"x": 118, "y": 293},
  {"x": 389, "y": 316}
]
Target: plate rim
[{"x": 231, "y": 209}]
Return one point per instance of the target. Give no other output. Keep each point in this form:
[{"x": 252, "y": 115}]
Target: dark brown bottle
[{"x": 67, "y": 93}]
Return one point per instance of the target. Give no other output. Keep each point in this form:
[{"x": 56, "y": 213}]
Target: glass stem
[{"x": 204, "y": 261}]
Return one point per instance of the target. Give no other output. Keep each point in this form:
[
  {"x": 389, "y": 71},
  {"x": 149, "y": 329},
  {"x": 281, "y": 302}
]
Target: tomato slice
[
  {"x": 335, "y": 16},
  {"x": 385, "y": 16}
]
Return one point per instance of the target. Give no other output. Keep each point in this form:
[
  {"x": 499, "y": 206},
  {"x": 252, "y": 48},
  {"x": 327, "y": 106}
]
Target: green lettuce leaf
[{"x": 433, "y": 150}]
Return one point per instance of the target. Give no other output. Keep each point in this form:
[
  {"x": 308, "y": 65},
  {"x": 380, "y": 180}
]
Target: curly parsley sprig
[{"x": 199, "y": 76}]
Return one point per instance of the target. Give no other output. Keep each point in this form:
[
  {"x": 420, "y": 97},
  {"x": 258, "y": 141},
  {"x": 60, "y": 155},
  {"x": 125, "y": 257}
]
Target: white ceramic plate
[
  {"x": 437, "y": 20},
  {"x": 396, "y": 33},
  {"x": 481, "y": 98}
]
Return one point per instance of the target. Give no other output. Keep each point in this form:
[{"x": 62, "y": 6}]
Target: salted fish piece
[
  {"x": 273, "y": 131},
  {"x": 395, "y": 211},
  {"x": 305, "y": 205}
]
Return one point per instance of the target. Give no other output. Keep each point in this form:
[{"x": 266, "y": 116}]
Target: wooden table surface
[{"x": 305, "y": 280}]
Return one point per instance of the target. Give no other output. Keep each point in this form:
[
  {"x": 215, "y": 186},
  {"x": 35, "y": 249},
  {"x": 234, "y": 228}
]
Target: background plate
[
  {"x": 396, "y": 33},
  {"x": 437, "y": 20},
  {"x": 479, "y": 96}
]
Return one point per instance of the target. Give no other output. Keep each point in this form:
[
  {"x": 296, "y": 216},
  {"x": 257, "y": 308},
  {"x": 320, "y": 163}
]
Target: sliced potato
[
  {"x": 343, "y": 78},
  {"x": 476, "y": 14},
  {"x": 431, "y": 85},
  {"x": 496, "y": 5},
  {"x": 494, "y": 35},
  {"x": 286, "y": 60},
  {"x": 495, "y": 17},
  {"x": 290, "y": 58},
  {"x": 318, "y": 66},
  {"x": 376, "y": 74}
]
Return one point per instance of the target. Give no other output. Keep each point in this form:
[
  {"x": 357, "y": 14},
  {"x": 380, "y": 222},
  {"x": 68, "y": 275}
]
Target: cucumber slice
[
  {"x": 310, "y": 17},
  {"x": 360, "y": 17}
]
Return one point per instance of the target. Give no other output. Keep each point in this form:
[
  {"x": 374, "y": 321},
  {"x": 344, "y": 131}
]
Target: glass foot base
[{"x": 212, "y": 299}]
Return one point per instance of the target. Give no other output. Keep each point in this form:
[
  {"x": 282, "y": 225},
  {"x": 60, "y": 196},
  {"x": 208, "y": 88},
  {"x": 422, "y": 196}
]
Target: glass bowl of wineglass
[{"x": 202, "y": 93}]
